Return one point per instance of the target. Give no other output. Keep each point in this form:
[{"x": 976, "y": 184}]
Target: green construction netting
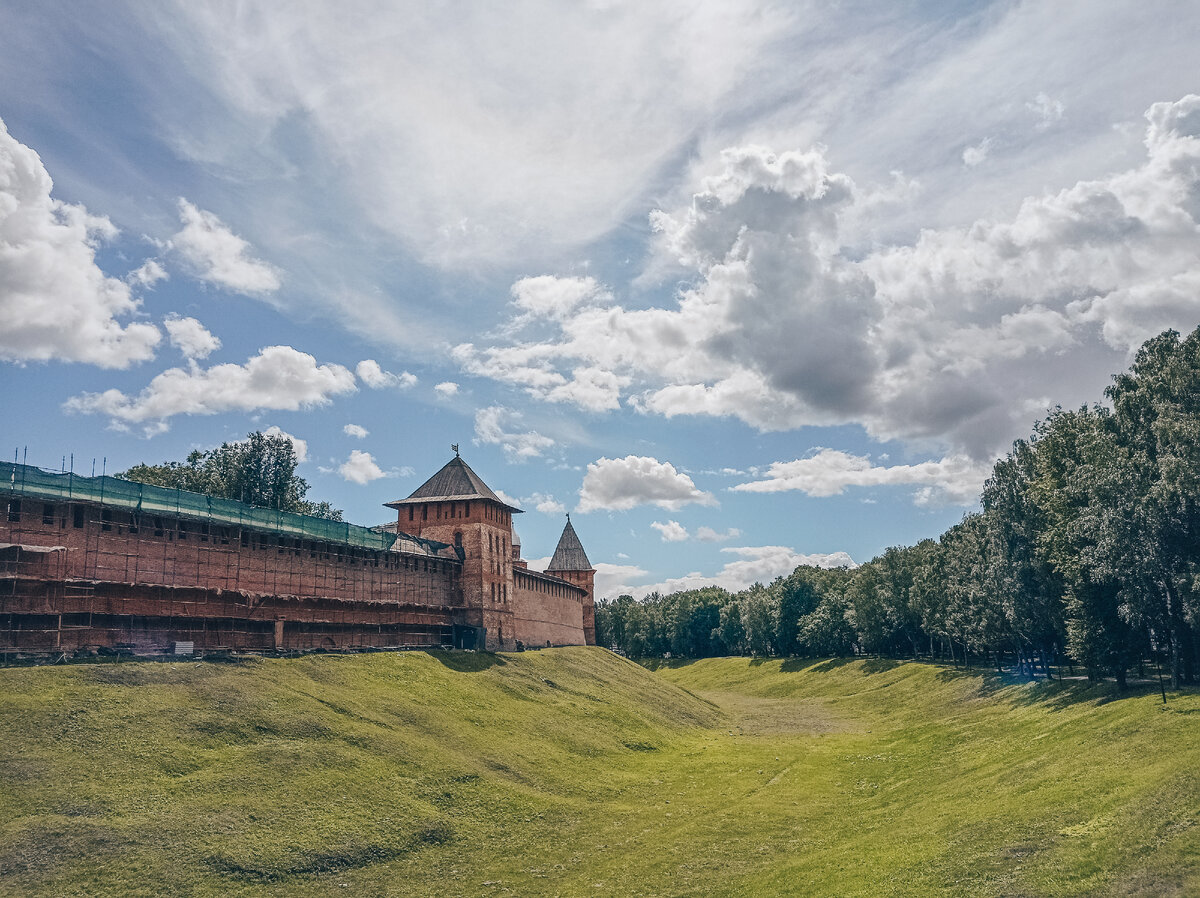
[{"x": 25, "y": 480}]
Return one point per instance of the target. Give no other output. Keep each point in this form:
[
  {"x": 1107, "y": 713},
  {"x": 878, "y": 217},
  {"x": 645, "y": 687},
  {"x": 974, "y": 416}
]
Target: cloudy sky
[{"x": 740, "y": 285}]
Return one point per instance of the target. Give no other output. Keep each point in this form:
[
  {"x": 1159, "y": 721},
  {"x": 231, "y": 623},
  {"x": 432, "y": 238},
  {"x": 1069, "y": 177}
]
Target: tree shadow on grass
[
  {"x": 1055, "y": 695},
  {"x": 1058, "y": 695},
  {"x": 869, "y": 665},
  {"x": 653, "y": 664},
  {"x": 466, "y": 662}
]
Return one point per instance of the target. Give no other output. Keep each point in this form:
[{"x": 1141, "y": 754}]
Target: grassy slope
[{"x": 576, "y": 772}]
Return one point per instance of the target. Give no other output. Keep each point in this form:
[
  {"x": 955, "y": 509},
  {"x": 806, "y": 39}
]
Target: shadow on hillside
[
  {"x": 869, "y": 665},
  {"x": 467, "y": 662},
  {"x": 1056, "y": 695},
  {"x": 653, "y": 664}
]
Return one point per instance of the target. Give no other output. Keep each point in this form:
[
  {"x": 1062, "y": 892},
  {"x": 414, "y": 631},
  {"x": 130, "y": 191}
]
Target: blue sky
[{"x": 739, "y": 285}]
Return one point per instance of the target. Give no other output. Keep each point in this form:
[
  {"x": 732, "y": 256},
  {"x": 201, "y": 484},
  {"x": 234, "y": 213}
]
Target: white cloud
[
  {"x": 490, "y": 424},
  {"x": 709, "y": 535},
  {"x": 370, "y": 373},
  {"x": 215, "y": 254},
  {"x": 976, "y": 155},
  {"x": 360, "y": 468},
  {"x": 191, "y": 337},
  {"x": 947, "y": 341},
  {"x": 618, "y": 484},
  {"x": 671, "y": 532},
  {"x": 446, "y": 389},
  {"x": 300, "y": 446},
  {"x": 509, "y": 500},
  {"x": 754, "y": 564},
  {"x": 147, "y": 274},
  {"x": 954, "y": 480},
  {"x": 1047, "y": 110},
  {"x": 500, "y": 157},
  {"x": 279, "y": 377},
  {"x": 355, "y": 430},
  {"x": 547, "y": 296},
  {"x": 545, "y": 503},
  {"x": 55, "y": 302},
  {"x": 611, "y": 578}
]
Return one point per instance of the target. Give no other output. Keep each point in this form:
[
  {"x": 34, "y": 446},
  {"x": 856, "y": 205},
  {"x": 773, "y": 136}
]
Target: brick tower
[
  {"x": 571, "y": 563},
  {"x": 455, "y": 506}
]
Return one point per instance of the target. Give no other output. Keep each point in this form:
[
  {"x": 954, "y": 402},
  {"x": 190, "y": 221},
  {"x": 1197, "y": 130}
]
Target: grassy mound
[{"x": 575, "y": 772}]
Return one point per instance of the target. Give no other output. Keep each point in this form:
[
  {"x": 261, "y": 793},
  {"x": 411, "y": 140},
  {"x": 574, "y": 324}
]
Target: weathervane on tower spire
[{"x": 454, "y": 446}]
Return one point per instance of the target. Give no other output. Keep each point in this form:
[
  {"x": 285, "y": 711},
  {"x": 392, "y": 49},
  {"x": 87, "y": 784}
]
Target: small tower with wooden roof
[
  {"x": 571, "y": 563},
  {"x": 455, "y": 506}
]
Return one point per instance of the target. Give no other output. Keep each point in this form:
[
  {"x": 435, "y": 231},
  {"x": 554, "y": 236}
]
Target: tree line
[{"x": 1085, "y": 551}]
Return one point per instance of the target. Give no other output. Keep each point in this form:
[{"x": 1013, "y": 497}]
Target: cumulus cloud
[
  {"x": 300, "y": 446},
  {"x": 515, "y": 503},
  {"x": 547, "y": 296},
  {"x": 953, "y": 480},
  {"x": 215, "y": 254},
  {"x": 279, "y": 377},
  {"x": 1047, "y": 109},
  {"x": 370, "y": 373},
  {"x": 618, "y": 484},
  {"x": 490, "y": 428},
  {"x": 753, "y": 564},
  {"x": 611, "y": 579},
  {"x": 544, "y": 503},
  {"x": 671, "y": 532},
  {"x": 948, "y": 341},
  {"x": 191, "y": 337},
  {"x": 709, "y": 535},
  {"x": 55, "y": 301},
  {"x": 147, "y": 274},
  {"x": 533, "y": 368},
  {"x": 360, "y": 468},
  {"x": 355, "y": 430},
  {"x": 976, "y": 155},
  {"x": 446, "y": 389}
]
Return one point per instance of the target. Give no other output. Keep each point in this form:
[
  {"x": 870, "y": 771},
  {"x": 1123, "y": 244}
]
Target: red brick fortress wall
[
  {"x": 547, "y": 610},
  {"x": 148, "y": 581},
  {"x": 585, "y": 581}
]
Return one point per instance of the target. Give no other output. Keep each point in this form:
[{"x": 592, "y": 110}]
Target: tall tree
[
  {"x": 260, "y": 470},
  {"x": 1156, "y": 417}
]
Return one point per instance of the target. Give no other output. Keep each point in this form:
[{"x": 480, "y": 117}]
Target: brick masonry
[{"x": 79, "y": 575}]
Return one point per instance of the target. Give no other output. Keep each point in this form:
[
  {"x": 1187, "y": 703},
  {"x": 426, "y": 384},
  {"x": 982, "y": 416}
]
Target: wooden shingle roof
[
  {"x": 569, "y": 556},
  {"x": 454, "y": 482}
]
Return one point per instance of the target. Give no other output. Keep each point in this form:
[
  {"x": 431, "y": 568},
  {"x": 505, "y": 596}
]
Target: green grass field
[{"x": 575, "y": 772}]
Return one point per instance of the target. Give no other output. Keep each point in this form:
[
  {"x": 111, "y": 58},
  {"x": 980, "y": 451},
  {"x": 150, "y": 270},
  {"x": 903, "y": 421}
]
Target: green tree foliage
[
  {"x": 261, "y": 470},
  {"x": 1087, "y": 545}
]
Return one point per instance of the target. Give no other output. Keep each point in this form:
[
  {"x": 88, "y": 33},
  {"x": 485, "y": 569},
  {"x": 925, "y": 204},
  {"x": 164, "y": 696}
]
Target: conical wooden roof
[
  {"x": 569, "y": 556},
  {"x": 454, "y": 482}
]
